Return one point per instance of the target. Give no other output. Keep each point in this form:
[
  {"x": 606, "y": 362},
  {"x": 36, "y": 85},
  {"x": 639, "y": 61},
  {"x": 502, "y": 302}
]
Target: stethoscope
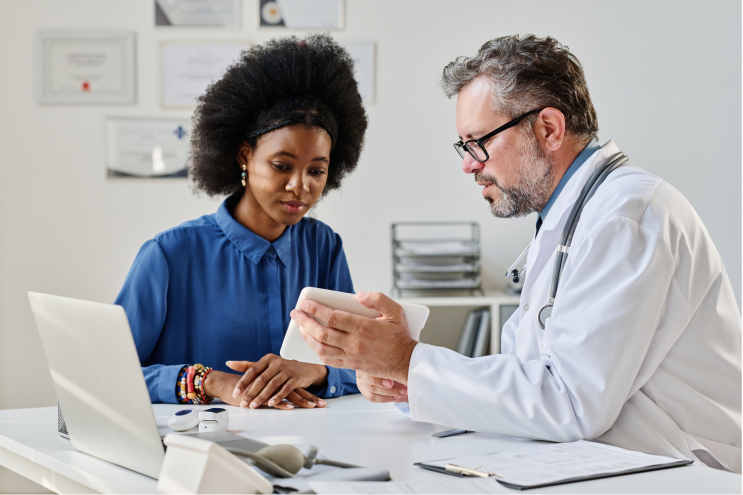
[{"x": 598, "y": 177}]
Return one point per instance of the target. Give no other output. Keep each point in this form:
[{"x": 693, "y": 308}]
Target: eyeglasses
[{"x": 476, "y": 147}]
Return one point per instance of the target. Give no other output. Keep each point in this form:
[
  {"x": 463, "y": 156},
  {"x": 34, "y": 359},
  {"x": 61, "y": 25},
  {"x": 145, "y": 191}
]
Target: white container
[{"x": 214, "y": 419}]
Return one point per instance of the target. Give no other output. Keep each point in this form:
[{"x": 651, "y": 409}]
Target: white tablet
[{"x": 294, "y": 346}]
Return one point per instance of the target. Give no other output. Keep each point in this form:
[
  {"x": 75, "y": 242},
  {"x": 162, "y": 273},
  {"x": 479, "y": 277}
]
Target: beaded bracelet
[
  {"x": 182, "y": 386},
  {"x": 201, "y": 372},
  {"x": 205, "y": 399},
  {"x": 198, "y": 370},
  {"x": 178, "y": 384},
  {"x": 189, "y": 388},
  {"x": 189, "y": 383}
]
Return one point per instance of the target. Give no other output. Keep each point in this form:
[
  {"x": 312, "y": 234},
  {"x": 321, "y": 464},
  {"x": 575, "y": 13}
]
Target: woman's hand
[
  {"x": 221, "y": 385},
  {"x": 273, "y": 379}
]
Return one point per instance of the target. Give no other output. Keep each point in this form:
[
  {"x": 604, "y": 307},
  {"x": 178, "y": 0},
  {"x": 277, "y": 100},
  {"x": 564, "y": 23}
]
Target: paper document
[
  {"x": 412, "y": 266},
  {"x": 438, "y": 248},
  {"x": 453, "y": 486},
  {"x": 550, "y": 464},
  {"x": 465, "y": 282}
]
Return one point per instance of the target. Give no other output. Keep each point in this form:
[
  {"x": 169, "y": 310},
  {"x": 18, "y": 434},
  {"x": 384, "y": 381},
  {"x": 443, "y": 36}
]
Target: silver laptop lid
[{"x": 99, "y": 382}]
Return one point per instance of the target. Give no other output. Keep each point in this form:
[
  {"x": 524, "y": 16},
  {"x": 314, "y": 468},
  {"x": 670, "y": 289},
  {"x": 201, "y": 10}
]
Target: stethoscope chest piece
[{"x": 544, "y": 313}]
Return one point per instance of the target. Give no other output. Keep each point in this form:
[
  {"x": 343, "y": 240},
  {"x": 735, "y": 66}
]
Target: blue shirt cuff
[
  {"x": 339, "y": 382},
  {"x": 166, "y": 382}
]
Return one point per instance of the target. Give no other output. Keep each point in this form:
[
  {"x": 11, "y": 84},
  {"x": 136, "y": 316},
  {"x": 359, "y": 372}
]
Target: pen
[
  {"x": 453, "y": 468},
  {"x": 450, "y": 433}
]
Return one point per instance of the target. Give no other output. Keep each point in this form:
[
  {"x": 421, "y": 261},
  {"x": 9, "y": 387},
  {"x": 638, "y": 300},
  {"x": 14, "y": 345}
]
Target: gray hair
[{"x": 526, "y": 74}]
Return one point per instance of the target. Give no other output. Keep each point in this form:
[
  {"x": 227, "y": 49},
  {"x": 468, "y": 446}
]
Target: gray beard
[{"x": 533, "y": 189}]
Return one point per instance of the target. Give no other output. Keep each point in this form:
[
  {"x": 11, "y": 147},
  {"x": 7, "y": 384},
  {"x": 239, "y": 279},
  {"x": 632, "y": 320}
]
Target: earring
[{"x": 244, "y": 174}]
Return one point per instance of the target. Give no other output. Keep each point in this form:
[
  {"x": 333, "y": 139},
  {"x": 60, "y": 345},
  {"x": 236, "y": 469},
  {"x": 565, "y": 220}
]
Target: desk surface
[{"x": 349, "y": 429}]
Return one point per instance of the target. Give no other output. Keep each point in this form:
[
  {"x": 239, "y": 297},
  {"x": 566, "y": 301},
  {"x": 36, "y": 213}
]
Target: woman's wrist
[
  {"x": 219, "y": 384},
  {"x": 322, "y": 375}
]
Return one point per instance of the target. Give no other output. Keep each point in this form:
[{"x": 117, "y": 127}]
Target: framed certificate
[
  {"x": 147, "y": 148},
  {"x": 198, "y": 13},
  {"x": 301, "y": 14},
  {"x": 189, "y": 68},
  {"x": 79, "y": 68}
]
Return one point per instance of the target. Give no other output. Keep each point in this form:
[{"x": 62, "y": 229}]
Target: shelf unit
[{"x": 444, "y": 325}]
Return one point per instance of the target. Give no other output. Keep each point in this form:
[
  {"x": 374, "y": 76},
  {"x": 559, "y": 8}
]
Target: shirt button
[
  {"x": 526, "y": 307},
  {"x": 332, "y": 389}
]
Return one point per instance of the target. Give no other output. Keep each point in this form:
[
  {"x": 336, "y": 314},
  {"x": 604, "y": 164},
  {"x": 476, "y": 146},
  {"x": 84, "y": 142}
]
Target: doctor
[{"x": 643, "y": 346}]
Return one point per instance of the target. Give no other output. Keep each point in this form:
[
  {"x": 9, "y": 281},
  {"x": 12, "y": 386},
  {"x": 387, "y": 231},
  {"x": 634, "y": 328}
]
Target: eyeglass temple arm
[{"x": 505, "y": 126}]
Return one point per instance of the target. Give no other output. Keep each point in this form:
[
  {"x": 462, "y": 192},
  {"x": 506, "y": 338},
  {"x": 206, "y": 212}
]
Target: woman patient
[{"x": 282, "y": 128}]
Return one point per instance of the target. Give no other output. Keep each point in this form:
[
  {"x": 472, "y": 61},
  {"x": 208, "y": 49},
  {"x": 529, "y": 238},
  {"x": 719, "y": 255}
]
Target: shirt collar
[
  {"x": 589, "y": 150},
  {"x": 253, "y": 246}
]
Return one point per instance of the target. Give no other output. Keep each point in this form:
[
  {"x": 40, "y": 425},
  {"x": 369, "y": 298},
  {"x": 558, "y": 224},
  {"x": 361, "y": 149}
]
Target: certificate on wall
[
  {"x": 198, "y": 13},
  {"x": 301, "y": 14},
  {"x": 147, "y": 148},
  {"x": 85, "y": 67},
  {"x": 189, "y": 68}
]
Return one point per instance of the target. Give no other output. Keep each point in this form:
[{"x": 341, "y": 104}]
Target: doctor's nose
[{"x": 470, "y": 165}]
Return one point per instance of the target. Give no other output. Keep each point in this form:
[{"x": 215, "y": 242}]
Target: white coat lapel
[{"x": 542, "y": 253}]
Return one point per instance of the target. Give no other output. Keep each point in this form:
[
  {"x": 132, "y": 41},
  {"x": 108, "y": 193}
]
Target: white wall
[{"x": 664, "y": 75}]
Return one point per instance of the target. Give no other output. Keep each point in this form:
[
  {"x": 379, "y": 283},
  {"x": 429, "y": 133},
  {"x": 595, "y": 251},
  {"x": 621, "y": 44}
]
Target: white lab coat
[{"x": 643, "y": 349}]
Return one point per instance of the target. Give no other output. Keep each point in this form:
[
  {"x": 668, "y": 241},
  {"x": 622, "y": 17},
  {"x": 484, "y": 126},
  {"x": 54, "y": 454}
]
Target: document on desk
[
  {"x": 481, "y": 485},
  {"x": 559, "y": 463}
]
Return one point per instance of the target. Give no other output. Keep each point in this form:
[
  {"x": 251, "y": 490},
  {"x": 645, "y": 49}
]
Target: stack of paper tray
[{"x": 447, "y": 258}]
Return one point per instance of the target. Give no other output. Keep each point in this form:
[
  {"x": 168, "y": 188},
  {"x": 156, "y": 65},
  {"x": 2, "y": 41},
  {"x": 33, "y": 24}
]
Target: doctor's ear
[{"x": 549, "y": 128}]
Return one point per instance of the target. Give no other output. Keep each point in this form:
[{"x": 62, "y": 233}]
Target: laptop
[{"x": 100, "y": 387}]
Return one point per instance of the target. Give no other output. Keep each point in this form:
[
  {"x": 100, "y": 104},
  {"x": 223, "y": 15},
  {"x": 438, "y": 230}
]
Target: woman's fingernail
[
  {"x": 311, "y": 404},
  {"x": 321, "y": 402},
  {"x": 227, "y": 363},
  {"x": 362, "y": 295},
  {"x": 290, "y": 406},
  {"x": 271, "y": 402},
  {"x": 253, "y": 405},
  {"x": 403, "y": 391},
  {"x": 387, "y": 383},
  {"x": 398, "y": 398},
  {"x": 243, "y": 403},
  {"x": 236, "y": 392}
]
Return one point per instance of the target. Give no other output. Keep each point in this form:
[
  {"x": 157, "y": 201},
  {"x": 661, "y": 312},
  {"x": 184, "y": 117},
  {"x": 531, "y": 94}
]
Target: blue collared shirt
[
  {"x": 589, "y": 150},
  {"x": 210, "y": 290}
]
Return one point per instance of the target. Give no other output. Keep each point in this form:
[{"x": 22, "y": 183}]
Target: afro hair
[{"x": 282, "y": 82}]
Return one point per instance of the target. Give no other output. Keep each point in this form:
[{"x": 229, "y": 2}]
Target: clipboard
[{"x": 683, "y": 462}]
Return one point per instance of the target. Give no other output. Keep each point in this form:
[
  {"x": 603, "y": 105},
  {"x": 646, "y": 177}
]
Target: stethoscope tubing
[{"x": 566, "y": 239}]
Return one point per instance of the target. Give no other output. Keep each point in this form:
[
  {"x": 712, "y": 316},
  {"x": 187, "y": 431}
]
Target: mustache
[{"x": 484, "y": 177}]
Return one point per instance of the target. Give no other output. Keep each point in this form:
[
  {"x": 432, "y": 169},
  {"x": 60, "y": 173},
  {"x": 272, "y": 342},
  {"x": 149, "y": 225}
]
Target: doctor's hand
[
  {"x": 378, "y": 347},
  {"x": 381, "y": 389},
  {"x": 273, "y": 379}
]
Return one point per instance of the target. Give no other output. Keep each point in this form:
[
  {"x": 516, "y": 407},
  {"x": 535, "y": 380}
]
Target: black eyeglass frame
[{"x": 460, "y": 146}]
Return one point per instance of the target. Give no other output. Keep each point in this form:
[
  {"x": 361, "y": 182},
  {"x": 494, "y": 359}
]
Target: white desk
[{"x": 350, "y": 429}]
